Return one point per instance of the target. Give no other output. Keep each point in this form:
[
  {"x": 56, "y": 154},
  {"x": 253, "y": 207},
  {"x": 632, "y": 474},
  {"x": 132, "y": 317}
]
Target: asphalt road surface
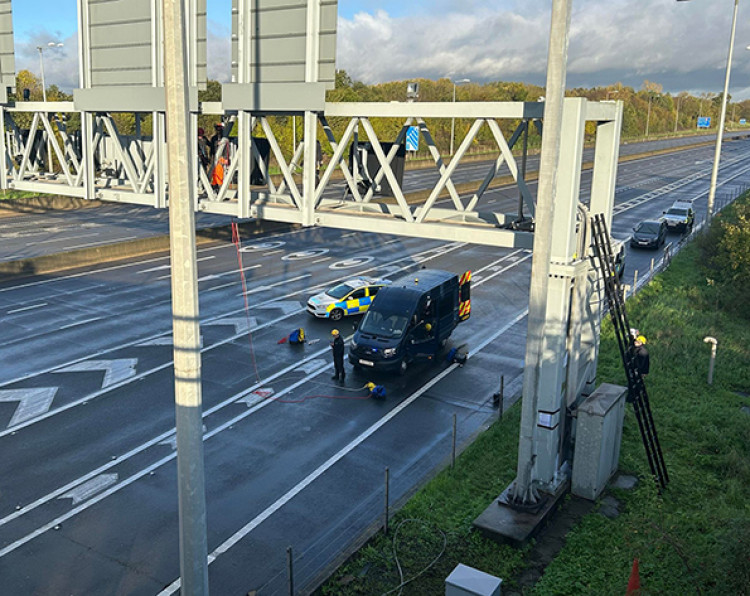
[{"x": 88, "y": 497}]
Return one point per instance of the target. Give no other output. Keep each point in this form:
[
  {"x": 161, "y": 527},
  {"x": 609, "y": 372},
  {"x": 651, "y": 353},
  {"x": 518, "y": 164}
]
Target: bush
[{"x": 726, "y": 258}]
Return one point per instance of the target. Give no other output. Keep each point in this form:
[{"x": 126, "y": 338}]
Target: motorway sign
[
  {"x": 412, "y": 138},
  {"x": 743, "y": 121},
  {"x": 704, "y": 122}
]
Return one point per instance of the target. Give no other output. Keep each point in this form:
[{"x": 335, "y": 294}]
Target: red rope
[{"x": 236, "y": 241}]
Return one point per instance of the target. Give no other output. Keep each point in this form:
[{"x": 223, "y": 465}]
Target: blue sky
[{"x": 682, "y": 45}]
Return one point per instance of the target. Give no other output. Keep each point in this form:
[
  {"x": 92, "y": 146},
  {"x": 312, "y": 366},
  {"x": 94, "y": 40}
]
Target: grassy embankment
[{"x": 692, "y": 539}]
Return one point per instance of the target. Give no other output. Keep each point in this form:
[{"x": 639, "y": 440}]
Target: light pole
[
  {"x": 722, "y": 117},
  {"x": 40, "y": 49},
  {"x": 648, "y": 114},
  {"x": 677, "y": 113},
  {"x": 453, "y": 120},
  {"x": 50, "y": 44}
]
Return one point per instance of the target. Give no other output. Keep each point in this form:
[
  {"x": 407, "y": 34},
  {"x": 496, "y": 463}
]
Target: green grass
[
  {"x": 9, "y": 195},
  {"x": 692, "y": 539}
]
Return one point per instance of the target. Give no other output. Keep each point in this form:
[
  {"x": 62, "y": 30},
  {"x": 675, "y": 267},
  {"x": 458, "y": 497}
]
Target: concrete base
[{"x": 502, "y": 523}]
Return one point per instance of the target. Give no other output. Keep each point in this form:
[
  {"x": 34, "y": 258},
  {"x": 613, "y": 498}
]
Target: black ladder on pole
[{"x": 637, "y": 393}]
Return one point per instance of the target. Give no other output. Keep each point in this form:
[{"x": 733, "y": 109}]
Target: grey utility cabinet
[
  {"x": 467, "y": 581},
  {"x": 598, "y": 437}
]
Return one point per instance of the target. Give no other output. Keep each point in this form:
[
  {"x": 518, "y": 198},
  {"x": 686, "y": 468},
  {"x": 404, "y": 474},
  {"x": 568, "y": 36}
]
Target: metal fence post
[
  {"x": 290, "y": 570},
  {"x": 453, "y": 447}
]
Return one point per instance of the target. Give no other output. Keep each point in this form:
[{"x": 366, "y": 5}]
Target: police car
[{"x": 352, "y": 297}]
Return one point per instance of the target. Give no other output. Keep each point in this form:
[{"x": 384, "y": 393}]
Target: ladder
[{"x": 637, "y": 394}]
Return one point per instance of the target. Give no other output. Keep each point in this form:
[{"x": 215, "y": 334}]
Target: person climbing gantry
[
  {"x": 642, "y": 359},
  {"x": 337, "y": 347}
]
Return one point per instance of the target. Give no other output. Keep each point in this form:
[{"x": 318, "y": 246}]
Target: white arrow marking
[
  {"x": 311, "y": 366},
  {"x": 32, "y": 402},
  {"x": 171, "y": 442},
  {"x": 288, "y": 306},
  {"x": 116, "y": 370},
  {"x": 256, "y": 396},
  {"x": 90, "y": 488},
  {"x": 165, "y": 340},
  {"x": 349, "y": 263},
  {"x": 240, "y": 323},
  {"x": 476, "y": 278}
]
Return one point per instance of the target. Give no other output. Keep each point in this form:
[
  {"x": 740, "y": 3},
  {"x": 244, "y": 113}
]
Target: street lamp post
[
  {"x": 648, "y": 114},
  {"x": 40, "y": 49},
  {"x": 722, "y": 118},
  {"x": 677, "y": 113},
  {"x": 453, "y": 119}
]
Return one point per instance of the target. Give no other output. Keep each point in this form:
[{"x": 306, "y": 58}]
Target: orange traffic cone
[{"x": 634, "y": 583}]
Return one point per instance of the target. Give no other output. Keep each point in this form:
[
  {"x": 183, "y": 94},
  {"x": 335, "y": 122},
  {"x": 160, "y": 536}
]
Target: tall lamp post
[
  {"x": 40, "y": 49},
  {"x": 722, "y": 117},
  {"x": 677, "y": 113},
  {"x": 453, "y": 120}
]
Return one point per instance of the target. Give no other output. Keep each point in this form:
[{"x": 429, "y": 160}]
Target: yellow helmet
[
  {"x": 641, "y": 339},
  {"x": 334, "y": 332},
  {"x": 428, "y": 327}
]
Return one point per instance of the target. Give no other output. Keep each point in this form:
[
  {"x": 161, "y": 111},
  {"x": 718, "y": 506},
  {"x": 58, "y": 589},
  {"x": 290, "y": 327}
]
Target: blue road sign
[
  {"x": 412, "y": 138},
  {"x": 743, "y": 121},
  {"x": 704, "y": 122}
]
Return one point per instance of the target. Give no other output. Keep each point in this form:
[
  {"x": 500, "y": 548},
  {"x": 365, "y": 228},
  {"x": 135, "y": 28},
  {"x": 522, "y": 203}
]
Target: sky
[{"x": 681, "y": 45}]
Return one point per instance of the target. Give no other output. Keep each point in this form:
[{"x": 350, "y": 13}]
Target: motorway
[{"x": 88, "y": 500}]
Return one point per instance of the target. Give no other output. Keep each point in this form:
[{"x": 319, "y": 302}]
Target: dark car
[{"x": 651, "y": 233}]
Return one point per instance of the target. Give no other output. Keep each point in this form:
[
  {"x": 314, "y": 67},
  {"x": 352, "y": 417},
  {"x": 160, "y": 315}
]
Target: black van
[{"x": 411, "y": 319}]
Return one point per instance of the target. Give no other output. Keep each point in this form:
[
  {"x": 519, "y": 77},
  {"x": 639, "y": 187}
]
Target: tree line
[{"x": 648, "y": 111}]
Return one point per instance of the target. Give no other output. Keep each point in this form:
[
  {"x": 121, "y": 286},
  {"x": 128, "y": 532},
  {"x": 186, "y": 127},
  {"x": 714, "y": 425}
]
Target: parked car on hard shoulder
[
  {"x": 680, "y": 216},
  {"x": 651, "y": 233},
  {"x": 352, "y": 297}
]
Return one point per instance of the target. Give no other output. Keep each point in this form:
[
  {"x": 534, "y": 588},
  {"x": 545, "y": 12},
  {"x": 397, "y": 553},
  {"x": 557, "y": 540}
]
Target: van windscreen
[{"x": 384, "y": 324}]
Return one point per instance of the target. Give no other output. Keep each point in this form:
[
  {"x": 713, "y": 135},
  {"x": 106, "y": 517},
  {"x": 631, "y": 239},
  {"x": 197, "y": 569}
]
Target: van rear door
[{"x": 464, "y": 296}]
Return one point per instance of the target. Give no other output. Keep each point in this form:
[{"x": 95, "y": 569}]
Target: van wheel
[
  {"x": 336, "y": 314},
  {"x": 403, "y": 367}
]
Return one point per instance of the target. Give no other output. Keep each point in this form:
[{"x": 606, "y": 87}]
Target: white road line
[
  {"x": 321, "y": 260},
  {"x": 168, "y": 434},
  {"x": 70, "y": 325},
  {"x": 293, "y": 492},
  {"x": 33, "y": 306}
]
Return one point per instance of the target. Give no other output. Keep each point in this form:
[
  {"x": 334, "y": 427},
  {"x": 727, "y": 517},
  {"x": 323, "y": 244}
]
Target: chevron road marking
[{"x": 33, "y": 402}]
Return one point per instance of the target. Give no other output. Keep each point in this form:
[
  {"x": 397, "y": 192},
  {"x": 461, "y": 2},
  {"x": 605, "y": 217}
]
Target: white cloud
[{"x": 683, "y": 45}]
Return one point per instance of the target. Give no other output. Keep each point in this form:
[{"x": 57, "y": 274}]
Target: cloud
[{"x": 682, "y": 45}]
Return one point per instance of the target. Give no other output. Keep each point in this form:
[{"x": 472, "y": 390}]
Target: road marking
[
  {"x": 161, "y": 341},
  {"x": 310, "y": 366},
  {"x": 88, "y": 489},
  {"x": 241, "y": 324},
  {"x": 352, "y": 262},
  {"x": 294, "y": 491},
  {"x": 287, "y": 306},
  {"x": 33, "y": 306},
  {"x": 257, "y": 396},
  {"x": 305, "y": 254},
  {"x": 33, "y": 402},
  {"x": 321, "y": 260},
  {"x": 263, "y": 246},
  {"x": 69, "y": 325},
  {"x": 116, "y": 370},
  {"x": 171, "y": 442}
]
